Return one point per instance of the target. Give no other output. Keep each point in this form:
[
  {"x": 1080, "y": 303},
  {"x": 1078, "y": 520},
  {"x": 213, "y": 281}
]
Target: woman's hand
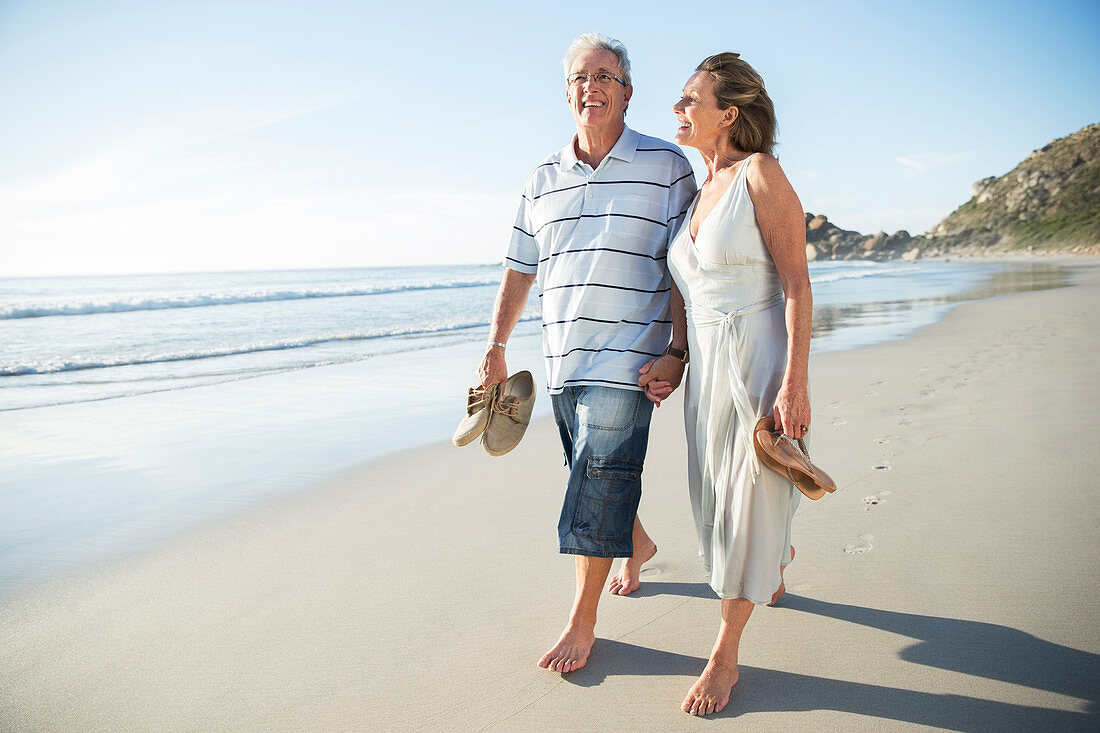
[
  {"x": 660, "y": 377},
  {"x": 792, "y": 410}
]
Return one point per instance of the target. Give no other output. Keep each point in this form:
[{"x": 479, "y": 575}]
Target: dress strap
[{"x": 726, "y": 368}]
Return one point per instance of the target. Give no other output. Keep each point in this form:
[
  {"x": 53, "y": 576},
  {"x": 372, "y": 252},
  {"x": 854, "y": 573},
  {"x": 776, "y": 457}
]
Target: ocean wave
[
  {"x": 854, "y": 274},
  {"x": 56, "y": 366},
  {"x": 202, "y": 300}
]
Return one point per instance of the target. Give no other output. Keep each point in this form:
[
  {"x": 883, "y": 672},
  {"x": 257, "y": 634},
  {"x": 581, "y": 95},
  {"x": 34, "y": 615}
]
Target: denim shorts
[{"x": 604, "y": 432}]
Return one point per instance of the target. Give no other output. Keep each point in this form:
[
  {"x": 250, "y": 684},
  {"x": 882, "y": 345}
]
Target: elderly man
[{"x": 593, "y": 229}]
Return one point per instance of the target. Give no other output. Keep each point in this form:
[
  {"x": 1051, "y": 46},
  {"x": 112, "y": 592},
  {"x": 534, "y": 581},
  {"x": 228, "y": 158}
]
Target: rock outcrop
[
  {"x": 827, "y": 241},
  {"x": 1049, "y": 202}
]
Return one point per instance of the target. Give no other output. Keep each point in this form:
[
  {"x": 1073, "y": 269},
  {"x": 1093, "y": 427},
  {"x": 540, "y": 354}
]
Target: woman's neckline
[{"x": 737, "y": 174}]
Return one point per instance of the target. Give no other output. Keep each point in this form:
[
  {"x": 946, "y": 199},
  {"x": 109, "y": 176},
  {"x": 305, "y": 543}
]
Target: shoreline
[
  {"x": 73, "y": 496},
  {"x": 919, "y": 595}
]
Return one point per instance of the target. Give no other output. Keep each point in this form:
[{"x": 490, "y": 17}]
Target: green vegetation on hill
[{"x": 1049, "y": 201}]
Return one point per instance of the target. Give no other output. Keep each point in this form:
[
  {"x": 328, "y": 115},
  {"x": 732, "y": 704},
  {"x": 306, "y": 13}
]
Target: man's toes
[{"x": 544, "y": 662}]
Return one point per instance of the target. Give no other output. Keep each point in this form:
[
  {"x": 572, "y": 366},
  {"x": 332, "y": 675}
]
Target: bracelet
[{"x": 496, "y": 343}]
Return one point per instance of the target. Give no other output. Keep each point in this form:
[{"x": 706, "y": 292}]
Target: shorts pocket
[
  {"x": 609, "y": 409},
  {"x": 608, "y": 499}
]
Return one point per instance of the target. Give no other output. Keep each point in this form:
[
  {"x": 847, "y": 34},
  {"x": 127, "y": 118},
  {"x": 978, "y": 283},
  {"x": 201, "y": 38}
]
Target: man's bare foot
[
  {"x": 782, "y": 586},
  {"x": 571, "y": 651},
  {"x": 711, "y": 691},
  {"x": 627, "y": 579}
]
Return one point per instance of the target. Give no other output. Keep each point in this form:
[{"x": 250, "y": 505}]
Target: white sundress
[{"x": 737, "y": 339}]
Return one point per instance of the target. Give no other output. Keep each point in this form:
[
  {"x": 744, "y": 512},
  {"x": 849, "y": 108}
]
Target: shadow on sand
[{"x": 970, "y": 647}]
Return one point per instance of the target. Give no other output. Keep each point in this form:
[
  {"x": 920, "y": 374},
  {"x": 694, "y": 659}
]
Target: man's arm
[
  {"x": 661, "y": 376},
  {"x": 507, "y": 309}
]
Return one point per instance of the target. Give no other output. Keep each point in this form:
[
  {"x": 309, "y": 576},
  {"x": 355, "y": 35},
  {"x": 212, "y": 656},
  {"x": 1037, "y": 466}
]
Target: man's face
[{"x": 594, "y": 104}]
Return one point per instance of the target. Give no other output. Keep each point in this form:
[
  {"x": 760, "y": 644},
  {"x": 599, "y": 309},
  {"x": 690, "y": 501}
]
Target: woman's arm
[{"x": 783, "y": 226}]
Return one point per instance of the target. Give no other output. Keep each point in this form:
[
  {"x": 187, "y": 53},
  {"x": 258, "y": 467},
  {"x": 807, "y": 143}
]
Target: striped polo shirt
[{"x": 598, "y": 240}]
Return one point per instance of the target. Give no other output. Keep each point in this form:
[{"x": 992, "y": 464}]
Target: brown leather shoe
[
  {"x": 510, "y": 414},
  {"x": 479, "y": 404}
]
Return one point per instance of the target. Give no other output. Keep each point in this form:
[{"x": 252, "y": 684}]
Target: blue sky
[{"x": 142, "y": 136}]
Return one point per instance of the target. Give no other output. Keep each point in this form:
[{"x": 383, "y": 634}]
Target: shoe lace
[
  {"x": 476, "y": 398},
  {"x": 508, "y": 406}
]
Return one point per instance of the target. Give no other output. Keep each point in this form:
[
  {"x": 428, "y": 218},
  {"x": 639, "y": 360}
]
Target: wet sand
[{"x": 949, "y": 583}]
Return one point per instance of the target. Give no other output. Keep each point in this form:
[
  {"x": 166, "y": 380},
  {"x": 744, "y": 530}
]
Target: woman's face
[{"x": 702, "y": 124}]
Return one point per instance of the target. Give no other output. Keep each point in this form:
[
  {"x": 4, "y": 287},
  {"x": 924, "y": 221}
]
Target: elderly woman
[{"x": 739, "y": 263}]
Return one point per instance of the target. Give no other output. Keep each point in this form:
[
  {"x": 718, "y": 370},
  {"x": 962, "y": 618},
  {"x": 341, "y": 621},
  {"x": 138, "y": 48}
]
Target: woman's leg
[{"x": 711, "y": 691}]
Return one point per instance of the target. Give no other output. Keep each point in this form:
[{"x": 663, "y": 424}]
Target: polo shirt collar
[
  {"x": 623, "y": 149},
  {"x": 625, "y": 146}
]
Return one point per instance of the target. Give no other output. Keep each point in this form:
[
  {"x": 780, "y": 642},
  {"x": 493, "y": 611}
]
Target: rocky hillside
[{"x": 1050, "y": 202}]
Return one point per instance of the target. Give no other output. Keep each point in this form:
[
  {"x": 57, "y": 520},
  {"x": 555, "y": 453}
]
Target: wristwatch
[{"x": 680, "y": 354}]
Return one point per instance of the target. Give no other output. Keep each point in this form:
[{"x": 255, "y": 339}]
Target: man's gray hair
[{"x": 598, "y": 42}]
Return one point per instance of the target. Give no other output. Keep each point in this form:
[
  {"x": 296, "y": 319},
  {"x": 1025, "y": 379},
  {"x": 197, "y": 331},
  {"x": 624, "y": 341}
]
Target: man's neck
[{"x": 594, "y": 143}]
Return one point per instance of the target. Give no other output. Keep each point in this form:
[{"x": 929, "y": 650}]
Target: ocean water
[{"x": 134, "y": 407}]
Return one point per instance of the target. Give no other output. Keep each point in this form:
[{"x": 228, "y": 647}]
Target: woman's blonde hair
[{"x": 738, "y": 85}]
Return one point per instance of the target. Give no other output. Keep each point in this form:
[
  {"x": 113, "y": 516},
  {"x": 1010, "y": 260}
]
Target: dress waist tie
[{"x": 727, "y": 367}]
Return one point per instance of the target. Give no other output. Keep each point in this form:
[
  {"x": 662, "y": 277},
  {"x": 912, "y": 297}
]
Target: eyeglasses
[{"x": 600, "y": 78}]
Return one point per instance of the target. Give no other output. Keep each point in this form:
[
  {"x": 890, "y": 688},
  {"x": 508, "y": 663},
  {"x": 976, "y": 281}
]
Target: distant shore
[{"x": 416, "y": 592}]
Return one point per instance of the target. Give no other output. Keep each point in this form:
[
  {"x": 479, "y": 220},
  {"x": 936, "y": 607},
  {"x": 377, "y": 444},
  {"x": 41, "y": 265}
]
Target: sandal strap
[{"x": 800, "y": 446}]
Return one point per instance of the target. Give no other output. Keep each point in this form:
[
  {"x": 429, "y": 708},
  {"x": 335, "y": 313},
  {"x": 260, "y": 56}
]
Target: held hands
[
  {"x": 792, "y": 411},
  {"x": 660, "y": 377},
  {"x": 493, "y": 368}
]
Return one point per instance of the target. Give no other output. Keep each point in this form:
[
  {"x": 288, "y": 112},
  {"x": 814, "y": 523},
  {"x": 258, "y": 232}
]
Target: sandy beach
[{"x": 950, "y": 583}]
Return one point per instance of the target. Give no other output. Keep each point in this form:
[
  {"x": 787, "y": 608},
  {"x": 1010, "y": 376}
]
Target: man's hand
[
  {"x": 660, "y": 377},
  {"x": 493, "y": 369}
]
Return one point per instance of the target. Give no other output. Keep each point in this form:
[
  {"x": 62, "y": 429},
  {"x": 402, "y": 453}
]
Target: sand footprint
[
  {"x": 926, "y": 393},
  {"x": 885, "y": 439},
  {"x": 906, "y": 421},
  {"x": 838, "y": 421},
  {"x": 833, "y": 405},
  {"x": 876, "y": 499},
  {"x": 864, "y": 545},
  {"x": 869, "y": 394}
]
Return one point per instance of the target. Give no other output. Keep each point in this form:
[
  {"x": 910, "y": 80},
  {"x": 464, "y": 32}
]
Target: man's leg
[
  {"x": 571, "y": 651},
  {"x": 627, "y": 580},
  {"x": 604, "y": 433}
]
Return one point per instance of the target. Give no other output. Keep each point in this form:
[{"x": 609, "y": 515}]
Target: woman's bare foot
[
  {"x": 711, "y": 691},
  {"x": 571, "y": 651},
  {"x": 627, "y": 580},
  {"x": 782, "y": 586}
]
